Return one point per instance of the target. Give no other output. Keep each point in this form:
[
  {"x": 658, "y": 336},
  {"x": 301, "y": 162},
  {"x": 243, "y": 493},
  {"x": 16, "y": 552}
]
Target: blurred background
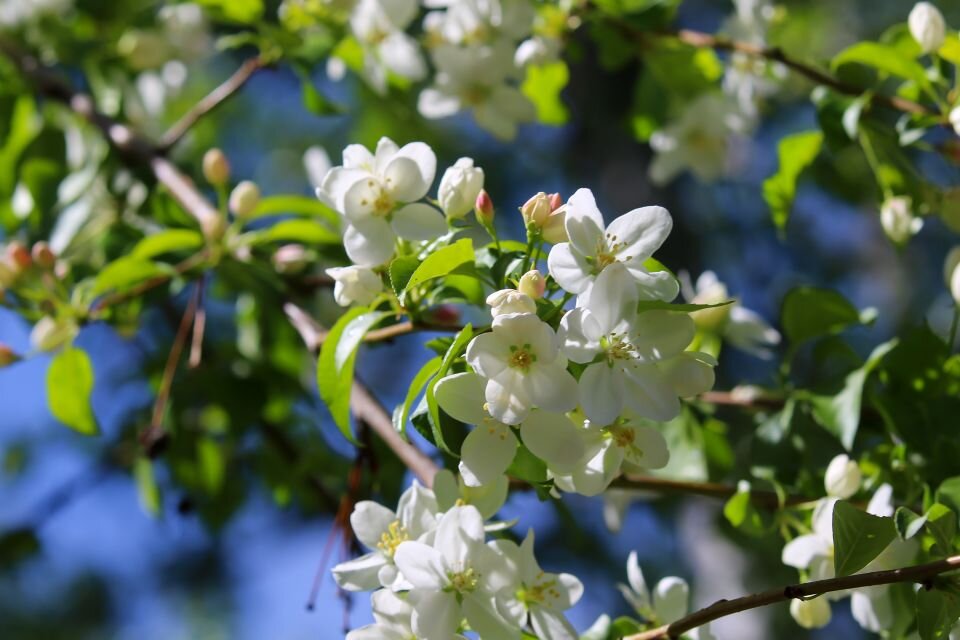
[{"x": 82, "y": 558}]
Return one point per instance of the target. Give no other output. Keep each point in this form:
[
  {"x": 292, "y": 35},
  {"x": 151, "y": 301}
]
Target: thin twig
[
  {"x": 761, "y": 498},
  {"x": 210, "y": 102},
  {"x": 199, "y": 324},
  {"x": 917, "y": 574},
  {"x": 179, "y": 269}
]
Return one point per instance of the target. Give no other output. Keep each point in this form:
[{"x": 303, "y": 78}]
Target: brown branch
[
  {"x": 761, "y": 498},
  {"x": 917, "y": 574},
  {"x": 199, "y": 324},
  {"x": 210, "y": 102}
]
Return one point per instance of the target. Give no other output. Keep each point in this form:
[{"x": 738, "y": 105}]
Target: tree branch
[
  {"x": 210, "y": 102},
  {"x": 765, "y": 499},
  {"x": 918, "y": 574}
]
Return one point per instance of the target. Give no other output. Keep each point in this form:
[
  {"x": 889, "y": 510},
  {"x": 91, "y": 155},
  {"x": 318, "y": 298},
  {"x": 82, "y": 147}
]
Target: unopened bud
[
  {"x": 897, "y": 219},
  {"x": 927, "y": 26},
  {"x": 554, "y": 230},
  {"x": 43, "y": 256},
  {"x": 951, "y": 273},
  {"x": 18, "y": 258},
  {"x": 533, "y": 284},
  {"x": 510, "y": 301},
  {"x": 290, "y": 258},
  {"x": 213, "y": 226},
  {"x": 555, "y": 201},
  {"x": 483, "y": 207},
  {"x": 536, "y": 210},
  {"x": 7, "y": 356},
  {"x": 216, "y": 168},
  {"x": 244, "y": 199},
  {"x": 445, "y": 314},
  {"x": 811, "y": 614},
  {"x": 842, "y": 478}
]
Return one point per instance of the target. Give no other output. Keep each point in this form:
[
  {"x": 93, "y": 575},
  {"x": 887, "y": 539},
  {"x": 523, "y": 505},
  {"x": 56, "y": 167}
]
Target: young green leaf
[
  {"x": 937, "y": 612},
  {"x": 433, "y": 409},
  {"x": 442, "y": 262},
  {"x": 543, "y": 85},
  {"x": 69, "y": 385},
  {"x": 126, "y": 272},
  {"x": 402, "y": 412},
  {"x": 810, "y": 312},
  {"x": 297, "y": 205},
  {"x": 305, "y": 231},
  {"x": 147, "y": 489},
  {"x": 858, "y": 537},
  {"x": 796, "y": 152},
  {"x": 167, "y": 241}
]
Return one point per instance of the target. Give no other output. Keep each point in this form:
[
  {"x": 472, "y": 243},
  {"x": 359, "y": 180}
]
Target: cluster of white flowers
[
  {"x": 669, "y": 601},
  {"x": 812, "y": 553},
  {"x": 434, "y": 574}
]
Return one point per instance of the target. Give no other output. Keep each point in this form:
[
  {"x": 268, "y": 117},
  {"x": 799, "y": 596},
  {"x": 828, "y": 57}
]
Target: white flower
[
  {"x": 536, "y": 51},
  {"x": 456, "y": 577},
  {"x": 741, "y": 327},
  {"x": 951, "y": 273},
  {"x": 927, "y": 26},
  {"x": 378, "y": 194},
  {"x": 814, "y": 551},
  {"x": 393, "y": 619},
  {"x": 811, "y": 614},
  {"x": 842, "y": 478},
  {"x": 459, "y": 188},
  {"x": 379, "y": 26},
  {"x": 50, "y": 334},
  {"x": 629, "y": 240},
  {"x": 626, "y": 445},
  {"x": 897, "y": 219},
  {"x": 489, "y": 449},
  {"x": 669, "y": 603},
  {"x": 520, "y": 358},
  {"x": 476, "y": 78},
  {"x": 538, "y": 598},
  {"x": 354, "y": 285},
  {"x": 476, "y": 22},
  {"x": 955, "y": 119},
  {"x": 697, "y": 140},
  {"x": 510, "y": 301},
  {"x": 453, "y": 490},
  {"x": 316, "y": 162},
  {"x": 382, "y": 531},
  {"x": 634, "y": 360}
]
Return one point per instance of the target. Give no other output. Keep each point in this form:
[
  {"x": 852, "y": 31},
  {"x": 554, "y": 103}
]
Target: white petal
[
  {"x": 386, "y": 150},
  {"x": 662, "y": 334},
  {"x": 641, "y": 232},
  {"x": 434, "y": 104},
  {"x": 481, "y": 613},
  {"x": 872, "y": 608},
  {"x": 425, "y": 158},
  {"x": 823, "y": 519},
  {"x": 486, "y": 453},
  {"x": 579, "y": 335},
  {"x": 802, "y": 550},
  {"x": 881, "y": 504},
  {"x": 488, "y": 354},
  {"x": 493, "y": 120},
  {"x": 552, "y": 388},
  {"x": 375, "y": 632},
  {"x": 419, "y": 221},
  {"x": 584, "y": 223},
  {"x": 613, "y": 297},
  {"x": 459, "y": 531},
  {"x": 359, "y": 201},
  {"x": 360, "y": 574},
  {"x": 689, "y": 373},
  {"x": 507, "y": 398},
  {"x": 670, "y": 599},
  {"x": 437, "y": 615},
  {"x": 602, "y": 393},
  {"x": 369, "y": 521},
  {"x": 461, "y": 395},
  {"x": 527, "y": 329},
  {"x": 553, "y": 438},
  {"x": 550, "y": 624},
  {"x": 636, "y": 580},
  {"x": 569, "y": 268},
  {"x": 649, "y": 393},
  {"x": 357, "y": 156},
  {"x": 401, "y": 55},
  {"x": 369, "y": 250},
  {"x": 338, "y": 181},
  {"x": 421, "y": 565},
  {"x": 649, "y": 449},
  {"x": 417, "y": 510},
  {"x": 403, "y": 180}
]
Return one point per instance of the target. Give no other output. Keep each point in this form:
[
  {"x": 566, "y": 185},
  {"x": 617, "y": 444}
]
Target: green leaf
[
  {"x": 908, "y": 523},
  {"x": 303, "y": 206},
  {"x": 810, "y": 312},
  {"x": 527, "y": 467},
  {"x": 660, "y": 305},
  {"x": 147, "y": 488},
  {"x": 858, "y": 537},
  {"x": 796, "y": 152},
  {"x": 402, "y": 412},
  {"x": 212, "y": 464},
  {"x": 303, "y": 231},
  {"x": 883, "y": 58},
  {"x": 242, "y": 11},
  {"x": 314, "y": 101},
  {"x": 741, "y": 513},
  {"x": 942, "y": 525},
  {"x": 126, "y": 272},
  {"x": 948, "y": 493},
  {"x": 950, "y": 51},
  {"x": 167, "y": 241},
  {"x": 840, "y": 414},
  {"x": 69, "y": 385},
  {"x": 543, "y": 85},
  {"x": 624, "y": 626},
  {"x": 401, "y": 269},
  {"x": 937, "y": 611},
  {"x": 433, "y": 409},
  {"x": 337, "y": 358},
  {"x": 442, "y": 262}
]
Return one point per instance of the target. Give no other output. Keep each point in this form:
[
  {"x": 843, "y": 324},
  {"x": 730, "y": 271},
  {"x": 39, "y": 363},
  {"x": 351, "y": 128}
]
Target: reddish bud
[
  {"x": 445, "y": 314},
  {"x": 18, "y": 257},
  {"x": 43, "y": 256},
  {"x": 7, "y": 356},
  {"x": 483, "y": 207},
  {"x": 555, "y": 201}
]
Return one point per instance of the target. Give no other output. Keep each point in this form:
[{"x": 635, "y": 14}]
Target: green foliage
[
  {"x": 167, "y": 241},
  {"x": 543, "y": 85},
  {"x": 402, "y": 411},
  {"x": 937, "y": 612},
  {"x": 435, "y": 415},
  {"x": 796, "y": 152},
  {"x": 69, "y": 385},
  {"x": 858, "y": 537},
  {"x": 442, "y": 262},
  {"x": 809, "y": 312}
]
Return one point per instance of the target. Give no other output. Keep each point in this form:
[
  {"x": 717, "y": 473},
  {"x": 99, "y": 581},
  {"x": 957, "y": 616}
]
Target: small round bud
[
  {"x": 18, "y": 258},
  {"x": 355, "y": 284},
  {"x": 483, "y": 207},
  {"x": 7, "y": 356},
  {"x": 897, "y": 219},
  {"x": 216, "y": 168},
  {"x": 811, "y": 614},
  {"x": 290, "y": 258},
  {"x": 927, "y": 26},
  {"x": 459, "y": 188},
  {"x": 842, "y": 478},
  {"x": 536, "y": 210},
  {"x": 244, "y": 199},
  {"x": 213, "y": 226},
  {"x": 555, "y": 201},
  {"x": 532, "y": 284},
  {"x": 43, "y": 256}
]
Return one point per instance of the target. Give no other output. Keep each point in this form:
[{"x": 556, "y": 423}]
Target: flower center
[
  {"x": 521, "y": 357},
  {"x": 623, "y": 437},
  {"x": 606, "y": 253},
  {"x": 382, "y": 203},
  {"x": 537, "y": 593},
  {"x": 475, "y": 95},
  {"x": 391, "y": 538},
  {"x": 617, "y": 347},
  {"x": 463, "y": 581}
]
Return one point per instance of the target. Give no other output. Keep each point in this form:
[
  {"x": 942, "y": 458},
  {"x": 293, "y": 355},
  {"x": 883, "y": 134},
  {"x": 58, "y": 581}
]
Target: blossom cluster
[{"x": 435, "y": 575}]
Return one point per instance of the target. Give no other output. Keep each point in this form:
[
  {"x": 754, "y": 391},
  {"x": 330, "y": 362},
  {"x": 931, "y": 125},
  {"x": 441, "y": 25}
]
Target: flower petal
[
  {"x": 425, "y": 158},
  {"x": 400, "y": 53},
  {"x": 553, "y": 438},
  {"x": 488, "y": 354},
  {"x": 550, "y": 624},
  {"x": 689, "y": 373},
  {"x": 662, "y": 334},
  {"x": 369, "y": 249},
  {"x": 369, "y": 521},
  {"x": 361, "y": 574},
  {"x": 584, "y": 223},
  {"x": 640, "y": 232},
  {"x": 579, "y": 335},
  {"x": 419, "y": 221},
  {"x": 569, "y": 268},
  {"x": 436, "y": 615},
  {"x": 486, "y": 453},
  {"x": 433, "y": 104},
  {"x": 480, "y": 612},
  {"x": 670, "y": 599},
  {"x": 461, "y": 395},
  {"x": 421, "y": 565},
  {"x": 507, "y": 397},
  {"x": 602, "y": 393},
  {"x": 636, "y": 579},
  {"x": 872, "y": 608},
  {"x": 802, "y": 550},
  {"x": 649, "y": 393},
  {"x": 613, "y": 297},
  {"x": 649, "y": 449},
  {"x": 403, "y": 181},
  {"x": 551, "y": 387}
]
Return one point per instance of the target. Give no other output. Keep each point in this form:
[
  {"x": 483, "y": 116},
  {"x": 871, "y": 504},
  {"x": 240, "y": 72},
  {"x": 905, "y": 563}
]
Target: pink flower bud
[
  {"x": 536, "y": 209},
  {"x": 555, "y": 201},
  {"x": 43, "y": 256},
  {"x": 18, "y": 257},
  {"x": 483, "y": 207}
]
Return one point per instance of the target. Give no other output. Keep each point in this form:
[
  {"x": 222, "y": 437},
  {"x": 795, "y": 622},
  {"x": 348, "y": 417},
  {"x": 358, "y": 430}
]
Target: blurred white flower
[
  {"x": 927, "y": 26},
  {"x": 379, "y": 26},
  {"x": 355, "y": 284},
  {"x": 459, "y": 188},
  {"x": 842, "y": 478},
  {"x": 897, "y": 219}
]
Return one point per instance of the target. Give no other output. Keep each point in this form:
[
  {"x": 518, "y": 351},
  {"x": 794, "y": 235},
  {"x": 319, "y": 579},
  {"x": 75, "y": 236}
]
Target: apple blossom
[
  {"x": 378, "y": 196},
  {"x": 392, "y": 615},
  {"x": 459, "y": 188},
  {"x": 842, "y": 478},
  {"x": 355, "y": 284},
  {"x": 537, "y": 598},
  {"x": 927, "y": 26},
  {"x": 379, "y": 27},
  {"x": 669, "y": 601},
  {"x": 536, "y": 51},
  {"x": 507, "y": 301},
  {"x": 478, "y": 22},
  {"x": 897, "y": 219},
  {"x": 532, "y": 284},
  {"x": 521, "y": 361},
  {"x": 49, "y": 334},
  {"x": 489, "y": 448},
  {"x": 383, "y": 531},
  {"x": 629, "y": 240},
  {"x": 453, "y": 490},
  {"x": 456, "y": 576},
  {"x": 811, "y": 614}
]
